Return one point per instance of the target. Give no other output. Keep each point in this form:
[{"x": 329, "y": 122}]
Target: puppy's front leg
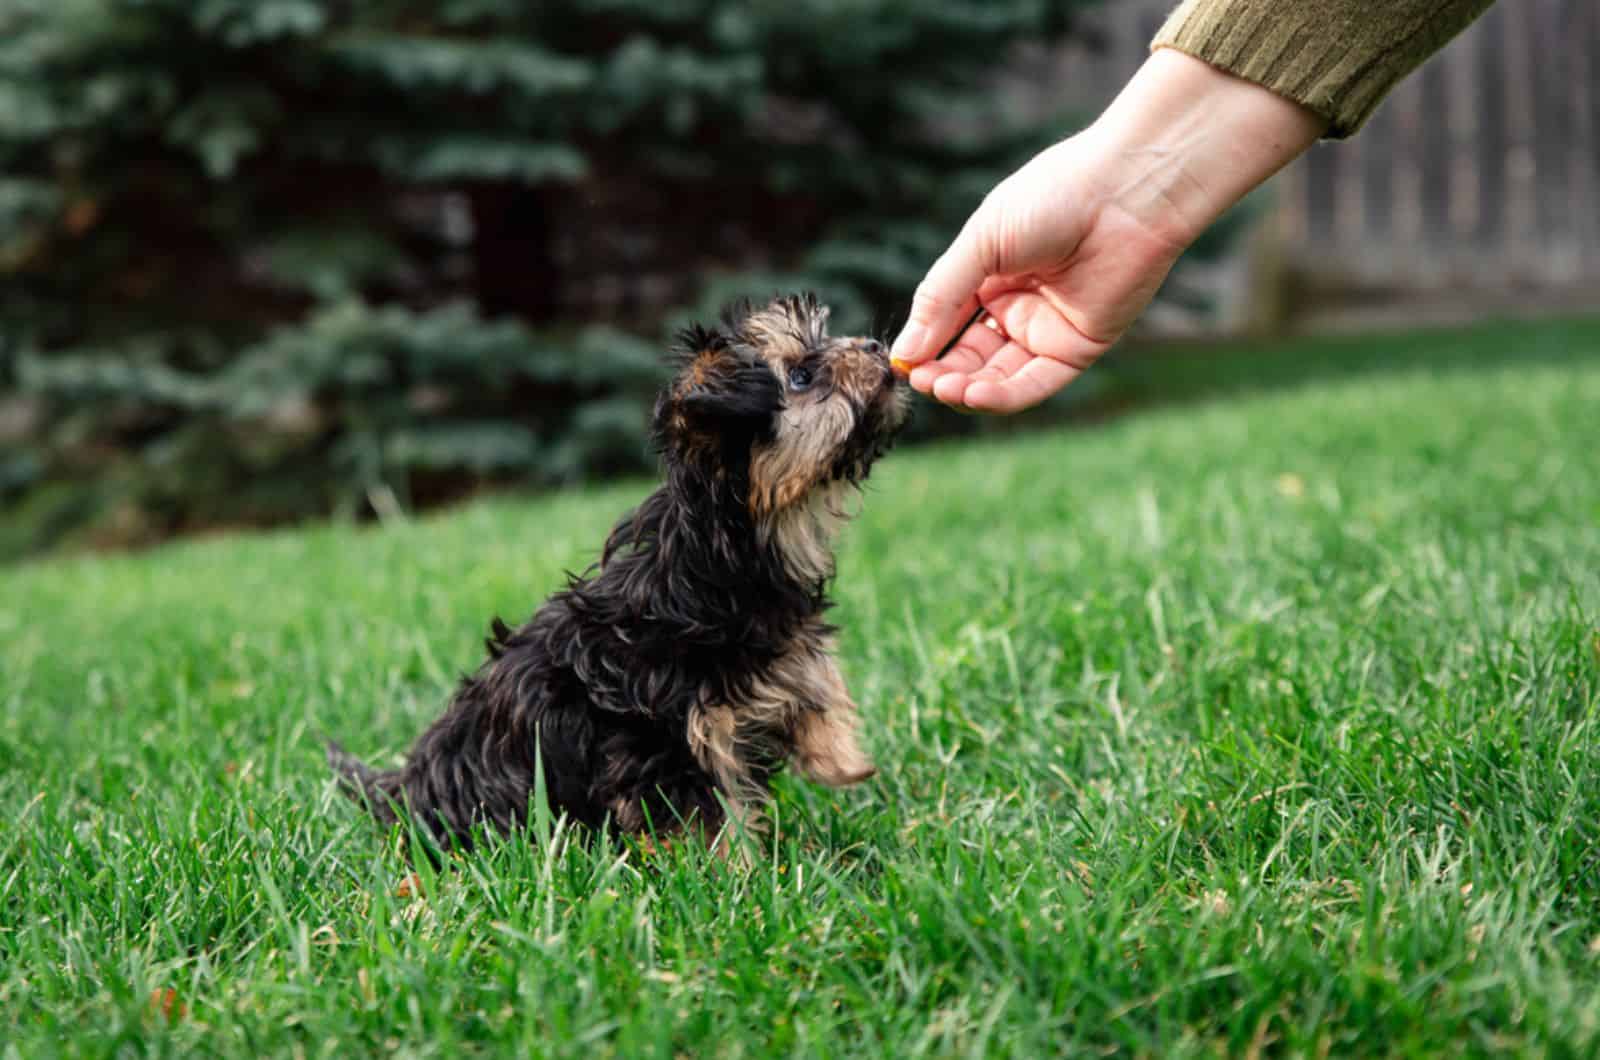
[{"x": 825, "y": 745}]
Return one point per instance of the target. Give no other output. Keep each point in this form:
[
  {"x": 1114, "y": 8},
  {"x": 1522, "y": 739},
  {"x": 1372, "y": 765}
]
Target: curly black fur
[{"x": 690, "y": 604}]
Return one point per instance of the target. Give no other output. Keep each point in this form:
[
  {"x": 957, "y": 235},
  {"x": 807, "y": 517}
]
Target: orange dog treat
[{"x": 901, "y": 368}]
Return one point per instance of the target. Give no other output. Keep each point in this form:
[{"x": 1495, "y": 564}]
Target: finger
[
  {"x": 964, "y": 356},
  {"x": 950, "y": 387},
  {"x": 970, "y": 353},
  {"x": 945, "y": 300},
  {"x": 995, "y": 287},
  {"x": 923, "y": 375},
  {"x": 974, "y": 348},
  {"x": 1008, "y": 360},
  {"x": 1035, "y": 381},
  {"x": 1043, "y": 328}
]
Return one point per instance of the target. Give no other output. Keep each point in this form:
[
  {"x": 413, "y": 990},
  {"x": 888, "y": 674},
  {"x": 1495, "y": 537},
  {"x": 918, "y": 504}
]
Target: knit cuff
[{"x": 1339, "y": 58}]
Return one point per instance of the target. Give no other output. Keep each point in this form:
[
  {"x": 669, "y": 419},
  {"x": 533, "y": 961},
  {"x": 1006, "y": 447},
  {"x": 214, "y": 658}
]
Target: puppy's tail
[{"x": 378, "y": 791}]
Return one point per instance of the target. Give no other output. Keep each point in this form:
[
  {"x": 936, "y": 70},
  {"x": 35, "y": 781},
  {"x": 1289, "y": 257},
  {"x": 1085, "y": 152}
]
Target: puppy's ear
[
  {"x": 720, "y": 393},
  {"x": 720, "y": 386},
  {"x": 742, "y": 391}
]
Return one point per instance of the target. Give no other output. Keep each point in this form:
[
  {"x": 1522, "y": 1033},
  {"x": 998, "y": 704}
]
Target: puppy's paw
[
  {"x": 826, "y": 750},
  {"x": 839, "y": 770}
]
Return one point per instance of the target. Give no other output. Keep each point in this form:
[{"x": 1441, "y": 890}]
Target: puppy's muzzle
[{"x": 890, "y": 393}]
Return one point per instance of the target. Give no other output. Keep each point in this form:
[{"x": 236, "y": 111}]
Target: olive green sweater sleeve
[{"x": 1337, "y": 57}]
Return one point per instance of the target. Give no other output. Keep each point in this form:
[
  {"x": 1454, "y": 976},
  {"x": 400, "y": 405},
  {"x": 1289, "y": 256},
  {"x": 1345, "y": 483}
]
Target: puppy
[{"x": 664, "y": 687}]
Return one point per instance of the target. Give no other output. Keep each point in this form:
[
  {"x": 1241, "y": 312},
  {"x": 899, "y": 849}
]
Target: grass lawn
[{"x": 1270, "y": 720}]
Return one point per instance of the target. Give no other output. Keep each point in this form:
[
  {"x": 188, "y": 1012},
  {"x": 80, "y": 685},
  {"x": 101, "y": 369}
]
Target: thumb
[{"x": 945, "y": 301}]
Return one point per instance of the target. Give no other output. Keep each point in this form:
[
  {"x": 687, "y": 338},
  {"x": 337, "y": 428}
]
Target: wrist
[{"x": 1185, "y": 141}]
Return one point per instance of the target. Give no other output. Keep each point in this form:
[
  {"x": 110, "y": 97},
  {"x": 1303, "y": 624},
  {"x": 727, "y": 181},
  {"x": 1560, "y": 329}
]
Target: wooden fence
[{"x": 1480, "y": 173}]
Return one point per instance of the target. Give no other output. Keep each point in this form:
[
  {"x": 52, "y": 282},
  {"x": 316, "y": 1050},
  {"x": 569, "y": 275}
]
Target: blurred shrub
[{"x": 267, "y": 258}]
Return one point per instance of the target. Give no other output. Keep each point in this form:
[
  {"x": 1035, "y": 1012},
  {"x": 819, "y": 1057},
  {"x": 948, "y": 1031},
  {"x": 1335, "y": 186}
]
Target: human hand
[
  {"x": 1060, "y": 270},
  {"x": 1064, "y": 254}
]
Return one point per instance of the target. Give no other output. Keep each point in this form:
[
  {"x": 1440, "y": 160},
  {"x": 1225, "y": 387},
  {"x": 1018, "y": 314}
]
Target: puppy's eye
[{"x": 800, "y": 377}]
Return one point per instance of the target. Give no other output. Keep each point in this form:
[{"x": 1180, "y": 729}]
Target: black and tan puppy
[{"x": 664, "y": 687}]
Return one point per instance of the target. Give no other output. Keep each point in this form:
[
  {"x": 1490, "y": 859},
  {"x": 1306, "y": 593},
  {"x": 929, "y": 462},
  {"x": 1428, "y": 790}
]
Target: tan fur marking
[
  {"x": 825, "y": 745},
  {"x": 784, "y": 335},
  {"x": 714, "y": 740},
  {"x": 802, "y": 706},
  {"x": 858, "y": 373},
  {"x": 806, "y": 534},
  {"x": 701, "y": 368},
  {"x": 626, "y": 815},
  {"x": 808, "y": 436},
  {"x": 720, "y": 743}
]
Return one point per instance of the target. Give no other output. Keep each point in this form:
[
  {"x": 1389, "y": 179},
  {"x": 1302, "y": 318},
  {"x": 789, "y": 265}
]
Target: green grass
[{"x": 1268, "y": 721}]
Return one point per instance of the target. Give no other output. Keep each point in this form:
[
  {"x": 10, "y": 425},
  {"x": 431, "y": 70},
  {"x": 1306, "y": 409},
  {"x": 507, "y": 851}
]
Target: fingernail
[{"x": 909, "y": 343}]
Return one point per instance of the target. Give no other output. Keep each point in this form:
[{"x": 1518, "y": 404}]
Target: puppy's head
[{"x": 773, "y": 403}]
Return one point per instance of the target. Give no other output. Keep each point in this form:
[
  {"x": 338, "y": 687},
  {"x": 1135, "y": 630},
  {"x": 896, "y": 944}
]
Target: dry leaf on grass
[{"x": 164, "y": 1003}]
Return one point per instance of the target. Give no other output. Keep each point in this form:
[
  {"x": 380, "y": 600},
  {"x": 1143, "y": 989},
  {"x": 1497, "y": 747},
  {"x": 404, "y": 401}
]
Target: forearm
[
  {"x": 1339, "y": 58},
  {"x": 1184, "y": 142}
]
